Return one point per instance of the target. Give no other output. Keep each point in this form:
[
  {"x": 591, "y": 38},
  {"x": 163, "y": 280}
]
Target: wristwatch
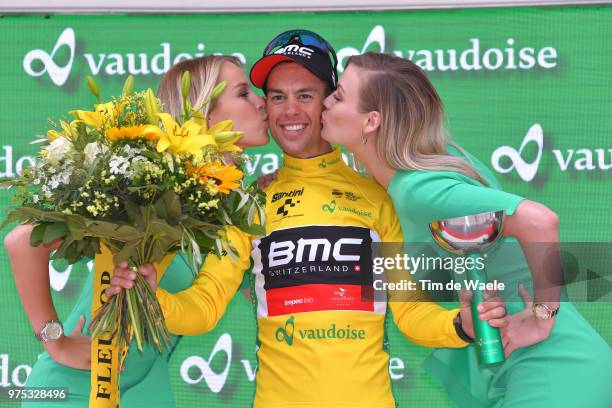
[
  {"x": 543, "y": 312},
  {"x": 52, "y": 331}
]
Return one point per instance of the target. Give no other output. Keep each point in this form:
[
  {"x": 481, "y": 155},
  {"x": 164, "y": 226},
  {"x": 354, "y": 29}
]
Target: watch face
[
  {"x": 53, "y": 330},
  {"x": 541, "y": 312}
]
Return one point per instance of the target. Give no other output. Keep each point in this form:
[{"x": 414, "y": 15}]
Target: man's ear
[{"x": 372, "y": 123}]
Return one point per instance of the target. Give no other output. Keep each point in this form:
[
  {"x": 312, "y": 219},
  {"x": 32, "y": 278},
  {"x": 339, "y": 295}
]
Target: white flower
[
  {"x": 92, "y": 151},
  {"x": 118, "y": 165},
  {"x": 58, "y": 149},
  {"x": 45, "y": 189},
  {"x": 35, "y": 198},
  {"x": 132, "y": 151}
]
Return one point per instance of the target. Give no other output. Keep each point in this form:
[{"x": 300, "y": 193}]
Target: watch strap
[{"x": 457, "y": 322}]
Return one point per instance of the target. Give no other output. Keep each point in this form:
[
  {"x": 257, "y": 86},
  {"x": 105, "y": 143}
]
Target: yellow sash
[{"x": 105, "y": 358}]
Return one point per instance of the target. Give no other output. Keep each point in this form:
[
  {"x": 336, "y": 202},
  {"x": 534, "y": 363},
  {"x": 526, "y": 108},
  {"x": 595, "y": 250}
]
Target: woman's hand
[
  {"x": 265, "y": 180},
  {"x": 524, "y": 328},
  {"x": 73, "y": 350},
  {"x": 492, "y": 309},
  {"x": 124, "y": 278}
]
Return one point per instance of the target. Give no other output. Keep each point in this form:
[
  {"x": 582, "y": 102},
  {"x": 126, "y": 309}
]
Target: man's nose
[{"x": 292, "y": 107}]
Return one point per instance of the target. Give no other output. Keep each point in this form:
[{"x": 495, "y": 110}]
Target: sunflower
[
  {"x": 130, "y": 133},
  {"x": 225, "y": 177}
]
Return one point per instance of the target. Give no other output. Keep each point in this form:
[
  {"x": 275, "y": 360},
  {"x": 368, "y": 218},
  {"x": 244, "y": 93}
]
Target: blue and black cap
[{"x": 304, "y": 47}]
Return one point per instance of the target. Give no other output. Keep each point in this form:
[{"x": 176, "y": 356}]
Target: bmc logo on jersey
[
  {"x": 285, "y": 252},
  {"x": 315, "y": 268},
  {"x": 316, "y": 254}
]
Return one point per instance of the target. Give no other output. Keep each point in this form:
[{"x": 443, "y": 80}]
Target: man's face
[{"x": 294, "y": 104}]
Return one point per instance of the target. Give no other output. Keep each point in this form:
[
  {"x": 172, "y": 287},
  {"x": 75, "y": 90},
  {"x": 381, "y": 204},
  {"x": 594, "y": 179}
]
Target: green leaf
[
  {"x": 55, "y": 231},
  {"x": 133, "y": 212},
  {"x": 173, "y": 233},
  {"x": 251, "y": 216},
  {"x": 156, "y": 252},
  {"x": 76, "y": 227},
  {"x": 128, "y": 252},
  {"x": 168, "y": 207},
  {"x": 118, "y": 232},
  {"x": 36, "y": 236},
  {"x": 41, "y": 215},
  {"x": 62, "y": 251},
  {"x": 244, "y": 198},
  {"x": 190, "y": 222},
  {"x": 254, "y": 229},
  {"x": 131, "y": 300}
]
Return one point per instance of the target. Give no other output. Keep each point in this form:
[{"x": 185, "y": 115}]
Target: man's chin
[
  {"x": 298, "y": 153},
  {"x": 292, "y": 149}
]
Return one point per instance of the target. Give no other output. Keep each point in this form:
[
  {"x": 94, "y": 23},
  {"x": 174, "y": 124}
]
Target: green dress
[
  {"x": 572, "y": 368},
  {"x": 145, "y": 382}
]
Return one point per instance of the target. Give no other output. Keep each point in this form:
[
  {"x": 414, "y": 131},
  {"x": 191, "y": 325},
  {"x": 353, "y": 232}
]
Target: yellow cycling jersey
[{"x": 320, "y": 332}]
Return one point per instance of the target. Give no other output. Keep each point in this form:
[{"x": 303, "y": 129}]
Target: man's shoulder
[{"x": 367, "y": 184}]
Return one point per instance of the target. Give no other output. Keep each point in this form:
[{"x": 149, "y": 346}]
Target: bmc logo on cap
[{"x": 295, "y": 49}]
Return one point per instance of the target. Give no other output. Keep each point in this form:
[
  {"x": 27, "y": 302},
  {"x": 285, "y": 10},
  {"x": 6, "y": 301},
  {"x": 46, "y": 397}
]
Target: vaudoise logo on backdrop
[
  {"x": 109, "y": 63},
  {"x": 473, "y": 57},
  {"x": 567, "y": 159}
]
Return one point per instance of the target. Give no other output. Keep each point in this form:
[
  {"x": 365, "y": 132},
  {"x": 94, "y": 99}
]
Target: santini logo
[{"x": 578, "y": 159}]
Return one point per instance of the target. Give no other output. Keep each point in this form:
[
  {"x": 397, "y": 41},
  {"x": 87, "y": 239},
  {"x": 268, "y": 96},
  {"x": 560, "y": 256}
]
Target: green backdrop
[{"x": 527, "y": 90}]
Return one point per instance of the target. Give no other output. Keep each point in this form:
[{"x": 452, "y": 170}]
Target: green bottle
[{"x": 487, "y": 338}]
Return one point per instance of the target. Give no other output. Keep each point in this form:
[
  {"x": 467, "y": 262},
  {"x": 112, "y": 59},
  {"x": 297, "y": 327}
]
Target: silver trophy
[{"x": 471, "y": 236}]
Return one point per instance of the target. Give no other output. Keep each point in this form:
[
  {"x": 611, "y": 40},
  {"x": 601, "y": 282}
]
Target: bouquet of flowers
[{"x": 142, "y": 183}]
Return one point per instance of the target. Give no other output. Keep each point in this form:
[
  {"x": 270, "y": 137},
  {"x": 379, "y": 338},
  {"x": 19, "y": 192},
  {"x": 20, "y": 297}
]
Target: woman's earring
[{"x": 364, "y": 137}]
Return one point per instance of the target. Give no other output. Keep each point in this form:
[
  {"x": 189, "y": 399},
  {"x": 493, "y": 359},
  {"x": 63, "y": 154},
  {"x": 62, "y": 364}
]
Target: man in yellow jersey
[{"x": 321, "y": 342}]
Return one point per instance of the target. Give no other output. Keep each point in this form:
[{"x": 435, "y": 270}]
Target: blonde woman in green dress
[
  {"x": 66, "y": 360},
  {"x": 390, "y": 116}
]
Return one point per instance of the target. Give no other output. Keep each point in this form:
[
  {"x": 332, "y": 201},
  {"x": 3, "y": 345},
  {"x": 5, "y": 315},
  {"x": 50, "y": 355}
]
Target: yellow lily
[
  {"x": 68, "y": 130},
  {"x": 103, "y": 116},
  {"x": 223, "y": 126},
  {"x": 225, "y": 137},
  {"x": 226, "y": 141},
  {"x": 53, "y": 134},
  {"x": 186, "y": 139}
]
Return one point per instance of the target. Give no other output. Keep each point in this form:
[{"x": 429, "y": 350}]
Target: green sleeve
[{"x": 437, "y": 195}]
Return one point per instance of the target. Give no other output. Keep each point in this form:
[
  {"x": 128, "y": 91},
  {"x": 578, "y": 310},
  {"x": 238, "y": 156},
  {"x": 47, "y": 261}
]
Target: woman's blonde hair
[
  {"x": 204, "y": 73},
  {"x": 411, "y": 134}
]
